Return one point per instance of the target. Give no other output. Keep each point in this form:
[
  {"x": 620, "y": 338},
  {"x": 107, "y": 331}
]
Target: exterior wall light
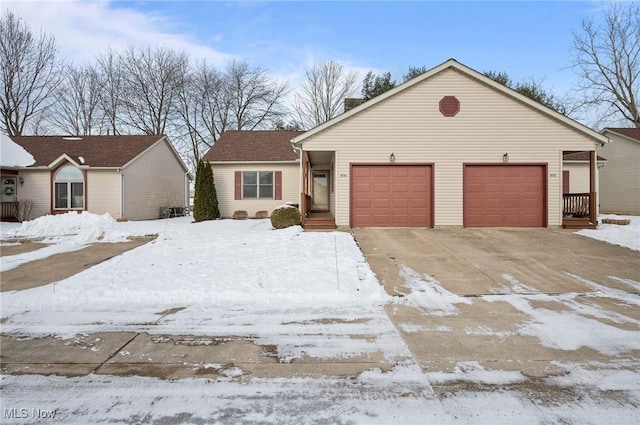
[
  {"x": 505, "y": 157},
  {"x": 21, "y": 180},
  {"x": 392, "y": 157}
]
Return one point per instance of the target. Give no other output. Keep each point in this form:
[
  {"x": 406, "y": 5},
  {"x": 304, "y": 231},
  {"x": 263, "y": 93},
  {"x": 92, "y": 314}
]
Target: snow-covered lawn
[
  {"x": 279, "y": 286},
  {"x": 228, "y": 275},
  {"x": 616, "y": 234}
]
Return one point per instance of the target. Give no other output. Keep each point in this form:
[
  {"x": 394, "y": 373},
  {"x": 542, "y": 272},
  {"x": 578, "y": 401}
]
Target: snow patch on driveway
[{"x": 428, "y": 293}]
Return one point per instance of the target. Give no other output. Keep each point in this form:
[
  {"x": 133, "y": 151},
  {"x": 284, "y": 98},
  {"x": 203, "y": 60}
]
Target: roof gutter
[{"x": 253, "y": 162}]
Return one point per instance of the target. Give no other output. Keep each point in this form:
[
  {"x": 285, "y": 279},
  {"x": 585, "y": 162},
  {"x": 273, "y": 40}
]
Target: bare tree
[
  {"x": 607, "y": 60},
  {"x": 111, "y": 81},
  {"x": 253, "y": 98},
  {"x": 199, "y": 106},
  {"x": 150, "y": 84},
  {"x": 77, "y": 108},
  {"x": 323, "y": 92},
  {"x": 30, "y": 71}
]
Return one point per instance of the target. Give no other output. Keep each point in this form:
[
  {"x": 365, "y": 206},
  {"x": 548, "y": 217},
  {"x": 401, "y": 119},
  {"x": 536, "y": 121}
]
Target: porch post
[
  {"x": 592, "y": 187},
  {"x": 304, "y": 162}
]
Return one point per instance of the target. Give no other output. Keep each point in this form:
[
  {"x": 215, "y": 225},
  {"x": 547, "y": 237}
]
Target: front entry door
[
  {"x": 8, "y": 193},
  {"x": 320, "y": 190}
]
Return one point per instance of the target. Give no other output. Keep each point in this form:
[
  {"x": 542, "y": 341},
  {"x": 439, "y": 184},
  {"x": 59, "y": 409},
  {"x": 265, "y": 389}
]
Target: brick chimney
[{"x": 352, "y": 102}]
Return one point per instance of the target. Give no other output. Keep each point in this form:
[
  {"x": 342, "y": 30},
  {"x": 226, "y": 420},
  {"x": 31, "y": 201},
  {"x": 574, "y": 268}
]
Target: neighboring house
[
  {"x": 620, "y": 179},
  {"x": 450, "y": 147},
  {"x": 254, "y": 171},
  {"x": 129, "y": 177}
]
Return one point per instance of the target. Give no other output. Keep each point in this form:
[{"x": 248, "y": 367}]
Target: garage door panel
[
  {"x": 419, "y": 203},
  {"x": 399, "y": 172},
  {"x": 514, "y": 188},
  {"x": 419, "y": 188},
  {"x": 532, "y": 172},
  {"x": 379, "y": 187},
  {"x": 381, "y": 203},
  {"x": 400, "y": 195},
  {"x": 504, "y": 195},
  {"x": 361, "y": 172},
  {"x": 401, "y": 187},
  {"x": 380, "y": 172}
]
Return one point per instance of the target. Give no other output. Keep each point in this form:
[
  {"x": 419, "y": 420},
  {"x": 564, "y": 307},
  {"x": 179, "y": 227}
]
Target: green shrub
[
  {"x": 205, "y": 199},
  {"x": 285, "y": 216}
]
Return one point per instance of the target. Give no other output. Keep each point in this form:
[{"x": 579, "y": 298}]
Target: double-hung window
[
  {"x": 68, "y": 188},
  {"x": 257, "y": 185}
]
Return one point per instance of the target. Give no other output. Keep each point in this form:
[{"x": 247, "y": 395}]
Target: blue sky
[{"x": 525, "y": 39}]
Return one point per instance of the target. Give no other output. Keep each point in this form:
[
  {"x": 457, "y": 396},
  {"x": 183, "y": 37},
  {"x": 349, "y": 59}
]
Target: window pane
[
  {"x": 77, "y": 195},
  {"x": 266, "y": 177},
  {"x": 249, "y": 191},
  {"x": 61, "y": 195},
  {"x": 249, "y": 177},
  {"x": 266, "y": 191},
  {"x": 68, "y": 173}
]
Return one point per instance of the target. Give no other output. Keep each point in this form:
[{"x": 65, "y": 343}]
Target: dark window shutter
[
  {"x": 238, "y": 185},
  {"x": 278, "y": 186}
]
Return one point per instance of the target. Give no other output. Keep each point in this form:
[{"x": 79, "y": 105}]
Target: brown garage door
[
  {"x": 504, "y": 195},
  {"x": 391, "y": 195}
]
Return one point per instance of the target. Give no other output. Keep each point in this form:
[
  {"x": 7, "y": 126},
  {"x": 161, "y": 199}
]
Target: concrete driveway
[{"x": 519, "y": 299}]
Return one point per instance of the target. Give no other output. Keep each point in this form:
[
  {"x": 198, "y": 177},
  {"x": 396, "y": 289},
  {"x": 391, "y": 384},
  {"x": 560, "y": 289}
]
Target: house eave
[
  {"x": 576, "y": 161},
  {"x": 454, "y": 64},
  {"x": 623, "y": 136}
]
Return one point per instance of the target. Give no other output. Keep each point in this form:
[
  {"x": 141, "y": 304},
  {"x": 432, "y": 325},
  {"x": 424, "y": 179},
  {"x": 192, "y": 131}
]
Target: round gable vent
[{"x": 449, "y": 106}]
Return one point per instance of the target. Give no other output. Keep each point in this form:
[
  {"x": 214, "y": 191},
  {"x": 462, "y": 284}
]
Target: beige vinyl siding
[
  {"x": 620, "y": 178},
  {"x": 155, "y": 179},
  {"x": 103, "y": 192},
  {"x": 37, "y": 187},
  {"x": 224, "y": 179},
  {"x": 488, "y": 125},
  {"x": 579, "y": 176}
]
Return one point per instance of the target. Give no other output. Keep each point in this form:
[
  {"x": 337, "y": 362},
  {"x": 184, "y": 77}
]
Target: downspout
[
  {"x": 119, "y": 171},
  {"x": 187, "y": 193}
]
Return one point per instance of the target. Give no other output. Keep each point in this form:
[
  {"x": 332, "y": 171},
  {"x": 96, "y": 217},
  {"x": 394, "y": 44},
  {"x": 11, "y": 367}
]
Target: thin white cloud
[{"x": 85, "y": 29}]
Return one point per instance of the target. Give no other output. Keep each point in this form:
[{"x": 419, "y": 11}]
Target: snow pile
[
  {"x": 65, "y": 233},
  {"x": 12, "y": 154},
  {"x": 71, "y": 228},
  {"x": 627, "y": 235}
]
